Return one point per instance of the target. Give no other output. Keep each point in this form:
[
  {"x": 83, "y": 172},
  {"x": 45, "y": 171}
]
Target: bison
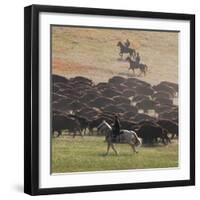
[
  {"x": 110, "y": 92},
  {"x": 162, "y": 94},
  {"x": 165, "y": 88},
  {"x": 142, "y": 90},
  {"x": 61, "y": 122},
  {"x": 146, "y": 105},
  {"x": 170, "y": 84},
  {"x": 121, "y": 99},
  {"x": 81, "y": 80},
  {"x": 116, "y": 80},
  {"x": 164, "y": 101},
  {"x": 151, "y": 133},
  {"x": 101, "y": 102},
  {"x": 170, "y": 126},
  {"x": 59, "y": 79}
]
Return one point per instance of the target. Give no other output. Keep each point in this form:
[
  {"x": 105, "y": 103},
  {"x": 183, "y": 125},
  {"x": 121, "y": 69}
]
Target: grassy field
[{"x": 88, "y": 154}]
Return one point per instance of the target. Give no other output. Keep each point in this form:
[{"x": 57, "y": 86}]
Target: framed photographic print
[{"x": 109, "y": 100}]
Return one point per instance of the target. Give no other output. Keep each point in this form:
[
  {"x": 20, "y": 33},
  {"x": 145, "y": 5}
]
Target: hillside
[{"x": 93, "y": 53}]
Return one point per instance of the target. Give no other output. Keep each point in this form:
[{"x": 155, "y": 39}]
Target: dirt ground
[{"x": 93, "y": 53}]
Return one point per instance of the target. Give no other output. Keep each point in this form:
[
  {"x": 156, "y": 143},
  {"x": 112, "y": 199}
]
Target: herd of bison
[{"x": 79, "y": 106}]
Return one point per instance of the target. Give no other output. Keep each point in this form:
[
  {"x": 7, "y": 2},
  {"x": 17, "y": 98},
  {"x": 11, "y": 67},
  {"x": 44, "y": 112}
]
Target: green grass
[{"x": 88, "y": 154}]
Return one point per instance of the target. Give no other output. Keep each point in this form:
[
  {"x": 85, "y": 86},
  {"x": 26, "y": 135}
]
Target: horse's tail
[{"x": 138, "y": 141}]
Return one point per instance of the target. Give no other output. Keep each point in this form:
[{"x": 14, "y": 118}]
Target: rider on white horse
[
  {"x": 116, "y": 127},
  {"x": 126, "y": 137}
]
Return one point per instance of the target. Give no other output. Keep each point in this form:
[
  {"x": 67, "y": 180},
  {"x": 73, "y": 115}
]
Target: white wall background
[{"x": 11, "y": 99}]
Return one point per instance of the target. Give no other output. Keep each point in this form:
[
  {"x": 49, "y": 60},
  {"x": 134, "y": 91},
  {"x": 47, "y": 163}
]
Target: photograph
[
  {"x": 109, "y": 99},
  {"x": 114, "y": 99}
]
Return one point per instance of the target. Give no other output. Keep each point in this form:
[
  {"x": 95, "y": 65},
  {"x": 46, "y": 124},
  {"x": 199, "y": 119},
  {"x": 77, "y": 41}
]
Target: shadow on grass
[
  {"x": 153, "y": 145},
  {"x": 122, "y": 154},
  {"x": 159, "y": 144}
]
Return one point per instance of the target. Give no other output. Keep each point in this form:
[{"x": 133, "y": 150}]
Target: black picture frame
[{"x": 31, "y": 98}]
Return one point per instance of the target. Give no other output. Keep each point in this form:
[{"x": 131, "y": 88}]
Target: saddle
[{"x": 116, "y": 138}]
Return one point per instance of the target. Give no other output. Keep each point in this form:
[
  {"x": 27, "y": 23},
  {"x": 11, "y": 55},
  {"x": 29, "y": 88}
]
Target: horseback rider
[
  {"x": 116, "y": 127},
  {"x": 137, "y": 59},
  {"x": 127, "y": 43}
]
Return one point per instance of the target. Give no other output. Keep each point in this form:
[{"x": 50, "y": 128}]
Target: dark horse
[
  {"x": 125, "y": 49},
  {"x": 134, "y": 65}
]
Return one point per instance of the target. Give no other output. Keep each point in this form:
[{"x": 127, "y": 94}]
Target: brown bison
[
  {"x": 129, "y": 93},
  {"x": 170, "y": 126},
  {"x": 146, "y": 105},
  {"x": 81, "y": 80},
  {"x": 164, "y": 101},
  {"x": 116, "y": 80},
  {"x": 151, "y": 133},
  {"x": 143, "y": 90},
  {"x": 121, "y": 99},
  {"x": 101, "y": 102},
  {"x": 140, "y": 116},
  {"x": 61, "y": 122},
  {"x": 162, "y": 94},
  {"x": 165, "y": 88},
  {"x": 59, "y": 79},
  {"x": 170, "y": 84},
  {"x": 110, "y": 93}
]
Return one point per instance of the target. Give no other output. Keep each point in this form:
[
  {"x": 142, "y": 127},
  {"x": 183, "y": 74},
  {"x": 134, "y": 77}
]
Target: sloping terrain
[{"x": 93, "y": 53}]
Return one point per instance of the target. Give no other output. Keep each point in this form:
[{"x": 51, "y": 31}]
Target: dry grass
[{"x": 93, "y": 53}]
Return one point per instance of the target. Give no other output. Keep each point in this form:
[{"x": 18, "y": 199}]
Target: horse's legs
[
  {"x": 140, "y": 73},
  {"x": 143, "y": 71},
  {"x": 163, "y": 140},
  {"x": 59, "y": 133},
  {"x": 133, "y": 71},
  {"x": 81, "y": 133},
  {"x": 168, "y": 139},
  {"x": 74, "y": 134},
  {"x": 133, "y": 147},
  {"x": 108, "y": 147},
  {"x": 90, "y": 131},
  {"x": 121, "y": 55},
  {"x": 112, "y": 146},
  {"x": 84, "y": 131}
]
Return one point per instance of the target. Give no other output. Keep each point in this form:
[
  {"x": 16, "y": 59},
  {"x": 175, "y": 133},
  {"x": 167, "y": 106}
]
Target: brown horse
[
  {"x": 134, "y": 65},
  {"x": 125, "y": 49}
]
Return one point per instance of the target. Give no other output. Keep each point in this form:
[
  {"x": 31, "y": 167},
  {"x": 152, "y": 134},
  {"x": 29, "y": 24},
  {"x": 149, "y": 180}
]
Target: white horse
[{"x": 125, "y": 137}]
